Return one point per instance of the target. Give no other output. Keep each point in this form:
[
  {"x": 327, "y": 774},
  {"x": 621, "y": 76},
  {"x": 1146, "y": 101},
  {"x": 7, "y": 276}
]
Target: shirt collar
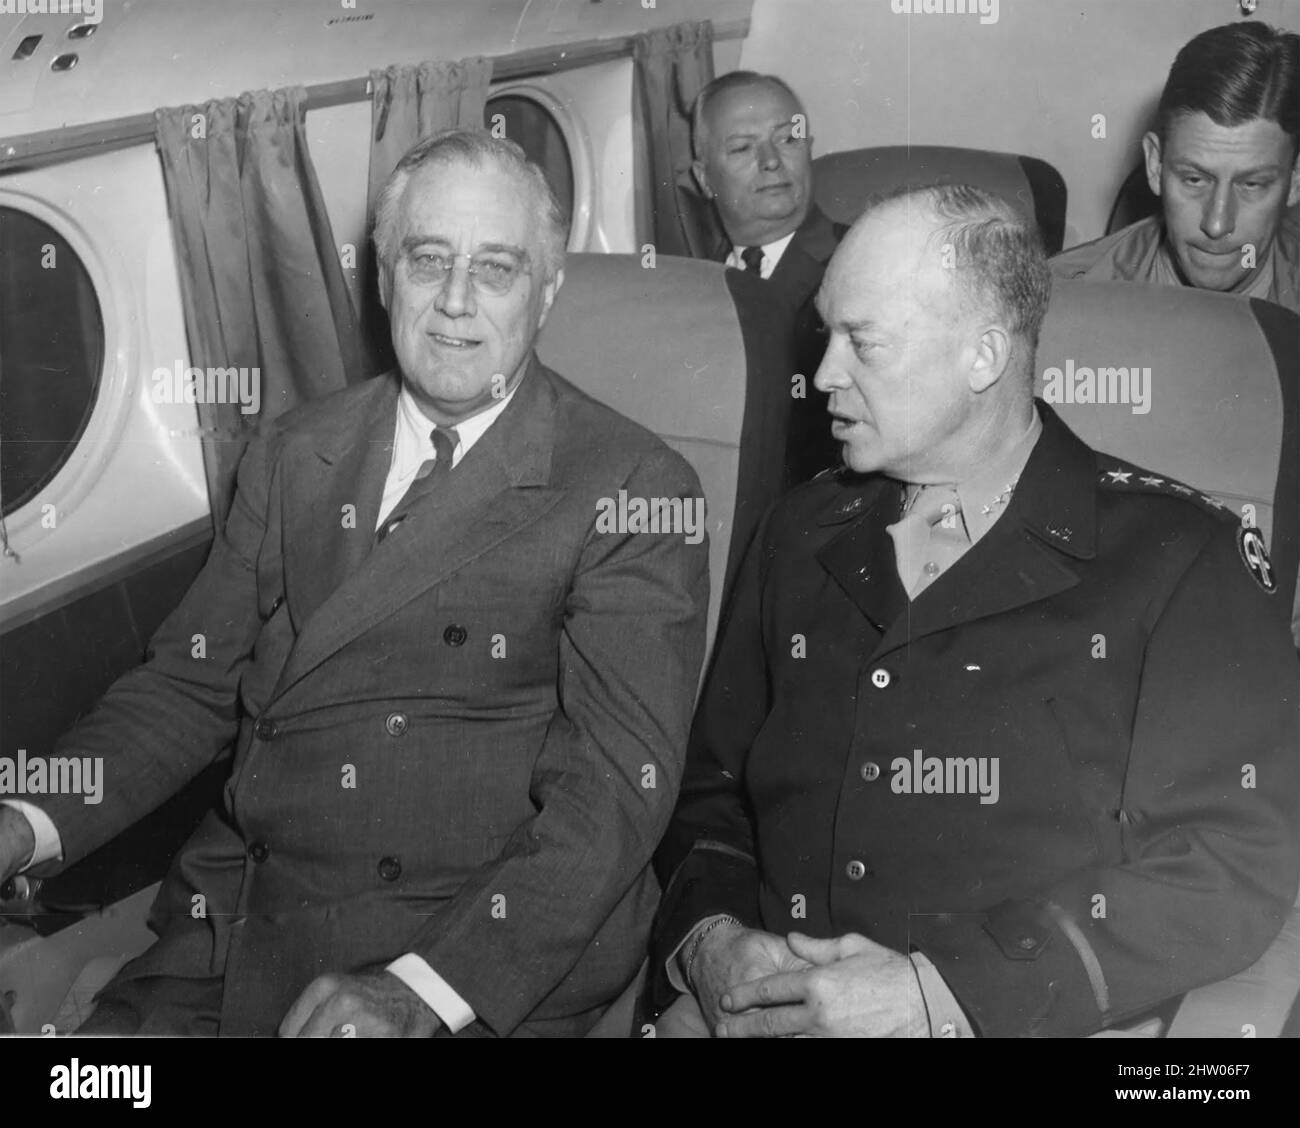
[
  {"x": 772, "y": 253},
  {"x": 992, "y": 485},
  {"x": 414, "y": 445}
]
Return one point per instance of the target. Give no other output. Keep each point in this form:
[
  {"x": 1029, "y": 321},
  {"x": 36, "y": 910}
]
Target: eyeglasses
[{"x": 491, "y": 273}]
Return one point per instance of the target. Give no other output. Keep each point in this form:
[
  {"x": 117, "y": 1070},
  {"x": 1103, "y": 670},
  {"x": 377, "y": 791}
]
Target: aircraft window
[
  {"x": 532, "y": 126},
  {"x": 51, "y": 354}
]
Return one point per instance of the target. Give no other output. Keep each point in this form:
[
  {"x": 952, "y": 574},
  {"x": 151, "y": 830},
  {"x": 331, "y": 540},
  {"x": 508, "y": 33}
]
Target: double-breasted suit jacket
[
  {"x": 1103, "y": 648},
  {"x": 462, "y": 742}
]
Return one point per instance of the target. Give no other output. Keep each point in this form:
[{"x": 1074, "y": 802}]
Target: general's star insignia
[
  {"x": 1147, "y": 480},
  {"x": 1181, "y": 488},
  {"x": 1120, "y": 475}
]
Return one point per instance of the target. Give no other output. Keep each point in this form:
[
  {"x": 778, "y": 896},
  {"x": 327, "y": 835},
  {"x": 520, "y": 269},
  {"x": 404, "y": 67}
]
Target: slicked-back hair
[
  {"x": 995, "y": 250},
  {"x": 475, "y": 148},
  {"x": 732, "y": 80},
  {"x": 1235, "y": 74}
]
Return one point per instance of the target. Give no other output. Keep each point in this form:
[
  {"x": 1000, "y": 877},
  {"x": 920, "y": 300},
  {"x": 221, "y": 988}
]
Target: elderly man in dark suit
[
  {"x": 753, "y": 159},
  {"x": 1001, "y": 737},
  {"x": 459, "y": 706}
]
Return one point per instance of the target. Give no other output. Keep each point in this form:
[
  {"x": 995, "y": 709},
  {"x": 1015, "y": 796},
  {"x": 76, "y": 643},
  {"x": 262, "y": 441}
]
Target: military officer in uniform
[{"x": 1001, "y": 735}]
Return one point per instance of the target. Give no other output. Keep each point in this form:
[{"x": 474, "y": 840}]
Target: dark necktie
[
  {"x": 752, "y": 257},
  {"x": 431, "y": 472}
]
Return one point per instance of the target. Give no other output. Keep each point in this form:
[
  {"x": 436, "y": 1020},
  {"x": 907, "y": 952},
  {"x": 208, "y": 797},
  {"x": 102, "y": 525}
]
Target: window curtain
[
  {"x": 673, "y": 64},
  {"x": 261, "y": 280},
  {"x": 407, "y": 103}
]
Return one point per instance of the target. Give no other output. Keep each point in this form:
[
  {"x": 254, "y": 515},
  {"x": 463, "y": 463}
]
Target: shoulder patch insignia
[
  {"x": 1253, "y": 553},
  {"x": 1126, "y": 478}
]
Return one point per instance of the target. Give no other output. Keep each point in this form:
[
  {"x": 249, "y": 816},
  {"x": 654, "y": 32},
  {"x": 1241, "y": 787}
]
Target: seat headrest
[
  {"x": 843, "y": 182},
  {"x": 1206, "y": 382}
]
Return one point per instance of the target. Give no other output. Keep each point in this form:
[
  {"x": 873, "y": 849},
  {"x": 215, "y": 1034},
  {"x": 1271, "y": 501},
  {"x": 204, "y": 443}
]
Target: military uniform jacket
[
  {"x": 1104, "y": 643},
  {"x": 463, "y": 742}
]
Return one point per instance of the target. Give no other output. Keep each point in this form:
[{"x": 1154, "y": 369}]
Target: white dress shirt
[
  {"x": 412, "y": 447},
  {"x": 772, "y": 253}
]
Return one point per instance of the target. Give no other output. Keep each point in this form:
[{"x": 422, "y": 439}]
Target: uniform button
[
  {"x": 454, "y": 635},
  {"x": 948, "y": 1030},
  {"x": 931, "y": 568},
  {"x": 881, "y": 678},
  {"x": 259, "y": 851},
  {"x": 1028, "y": 943},
  {"x": 870, "y": 771},
  {"x": 396, "y": 724},
  {"x": 265, "y": 729},
  {"x": 279, "y": 600},
  {"x": 390, "y": 868},
  {"x": 856, "y": 870}
]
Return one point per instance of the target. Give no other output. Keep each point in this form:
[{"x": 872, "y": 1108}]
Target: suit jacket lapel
[
  {"x": 346, "y": 466},
  {"x": 800, "y": 270},
  {"x": 1026, "y": 555},
  {"x": 861, "y": 558},
  {"x": 496, "y": 489}
]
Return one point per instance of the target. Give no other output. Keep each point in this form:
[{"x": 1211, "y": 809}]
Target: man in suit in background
[
  {"x": 1224, "y": 159},
  {"x": 753, "y": 159},
  {"x": 1001, "y": 734},
  {"x": 459, "y": 708}
]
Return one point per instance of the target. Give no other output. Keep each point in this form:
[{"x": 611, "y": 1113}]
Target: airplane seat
[
  {"x": 1223, "y": 415},
  {"x": 690, "y": 350},
  {"x": 686, "y": 348},
  {"x": 843, "y": 182},
  {"x": 700, "y": 223}
]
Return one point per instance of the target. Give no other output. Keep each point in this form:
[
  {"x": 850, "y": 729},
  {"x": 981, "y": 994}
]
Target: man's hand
[
  {"x": 374, "y": 1004},
  {"x": 731, "y": 955},
  {"x": 16, "y": 842},
  {"x": 855, "y": 989}
]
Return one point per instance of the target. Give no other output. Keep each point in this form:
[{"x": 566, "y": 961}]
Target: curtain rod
[{"x": 52, "y": 146}]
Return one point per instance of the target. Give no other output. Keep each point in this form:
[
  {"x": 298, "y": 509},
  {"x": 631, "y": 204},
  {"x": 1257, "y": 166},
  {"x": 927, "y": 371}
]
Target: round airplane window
[
  {"x": 51, "y": 355},
  {"x": 532, "y": 127}
]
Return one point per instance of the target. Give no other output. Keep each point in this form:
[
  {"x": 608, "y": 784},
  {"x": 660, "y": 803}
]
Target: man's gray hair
[
  {"x": 996, "y": 251},
  {"x": 473, "y": 147},
  {"x": 732, "y": 80}
]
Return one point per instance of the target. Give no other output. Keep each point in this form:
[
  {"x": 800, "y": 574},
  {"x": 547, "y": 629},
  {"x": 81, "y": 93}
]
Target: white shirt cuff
[
  {"x": 675, "y": 976},
  {"x": 947, "y": 1019},
  {"x": 455, "y": 1013},
  {"x": 49, "y": 846}
]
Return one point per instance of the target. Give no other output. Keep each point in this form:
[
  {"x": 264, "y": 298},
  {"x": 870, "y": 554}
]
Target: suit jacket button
[
  {"x": 259, "y": 851},
  {"x": 856, "y": 870},
  {"x": 454, "y": 635},
  {"x": 265, "y": 729},
  {"x": 881, "y": 678},
  {"x": 870, "y": 771},
  {"x": 396, "y": 724},
  {"x": 390, "y": 869}
]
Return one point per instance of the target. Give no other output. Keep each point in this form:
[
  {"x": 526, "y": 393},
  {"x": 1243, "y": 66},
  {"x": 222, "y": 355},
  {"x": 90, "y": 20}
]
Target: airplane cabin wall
[{"x": 1029, "y": 83}]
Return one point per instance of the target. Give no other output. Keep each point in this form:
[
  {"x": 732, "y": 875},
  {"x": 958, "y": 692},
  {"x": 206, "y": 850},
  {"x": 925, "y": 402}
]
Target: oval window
[
  {"x": 532, "y": 127},
  {"x": 51, "y": 354}
]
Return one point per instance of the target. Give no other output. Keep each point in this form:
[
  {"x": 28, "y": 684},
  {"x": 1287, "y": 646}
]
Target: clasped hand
[{"x": 847, "y": 987}]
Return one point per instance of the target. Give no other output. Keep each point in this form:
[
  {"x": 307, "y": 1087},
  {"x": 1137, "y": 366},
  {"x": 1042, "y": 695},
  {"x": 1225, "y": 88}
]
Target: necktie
[
  {"x": 431, "y": 472},
  {"x": 752, "y": 257},
  {"x": 929, "y": 538}
]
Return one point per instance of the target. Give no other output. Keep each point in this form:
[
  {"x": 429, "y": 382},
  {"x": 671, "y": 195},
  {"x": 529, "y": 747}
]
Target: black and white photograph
[{"x": 647, "y": 520}]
